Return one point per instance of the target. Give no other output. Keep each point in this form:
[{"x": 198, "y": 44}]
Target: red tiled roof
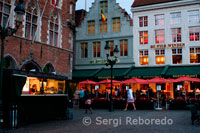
[{"x": 137, "y": 3}]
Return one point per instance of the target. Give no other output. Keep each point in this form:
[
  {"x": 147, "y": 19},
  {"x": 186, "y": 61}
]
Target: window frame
[
  {"x": 123, "y": 47},
  {"x": 143, "y": 21},
  {"x": 176, "y": 35},
  {"x": 96, "y": 48},
  {"x": 196, "y": 53},
  {"x": 142, "y": 37},
  {"x": 177, "y": 53},
  {"x": 159, "y": 53},
  {"x": 175, "y": 18},
  {"x": 194, "y": 31},
  {"x": 144, "y": 56},
  {"x": 116, "y": 24},
  {"x": 84, "y": 50},
  {"x": 159, "y": 18},
  {"x": 91, "y": 27},
  {"x": 159, "y": 33}
]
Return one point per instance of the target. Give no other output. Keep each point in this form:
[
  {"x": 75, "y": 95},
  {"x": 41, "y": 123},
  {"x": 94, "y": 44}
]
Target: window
[
  {"x": 177, "y": 56},
  {"x": 116, "y": 24},
  {"x": 84, "y": 50},
  {"x": 103, "y": 27},
  {"x": 143, "y": 37},
  {"x": 31, "y": 25},
  {"x": 4, "y": 12},
  {"x": 176, "y": 35},
  {"x": 70, "y": 8},
  {"x": 195, "y": 55},
  {"x": 176, "y": 18},
  {"x": 91, "y": 27},
  {"x": 96, "y": 49},
  {"x": 144, "y": 59},
  {"x": 160, "y": 56},
  {"x": 159, "y": 19},
  {"x": 104, "y": 6},
  {"x": 53, "y": 32},
  {"x": 194, "y": 33},
  {"x": 194, "y": 16},
  {"x": 111, "y": 43},
  {"x": 123, "y": 47},
  {"x": 143, "y": 21},
  {"x": 160, "y": 36}
]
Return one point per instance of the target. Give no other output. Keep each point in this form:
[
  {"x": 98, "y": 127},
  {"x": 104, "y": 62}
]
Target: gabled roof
[{"x": 138, "y": 3}]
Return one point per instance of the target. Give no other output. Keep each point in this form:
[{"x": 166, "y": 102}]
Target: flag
[
  {"x": 103, "y": 18},
  {"x": 54, "y": 2}
]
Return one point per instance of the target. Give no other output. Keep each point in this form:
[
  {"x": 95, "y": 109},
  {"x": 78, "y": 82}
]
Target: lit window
[
  {"x": 91, "y": 27},
  {"x": 143, "y": 21},
  {"x": 96, "y": 49},
  {"x": 144, "y": 59},
  {"x": 177, "y": 56},
  {"x": 176, "y": 35},
  {"x": 123, "y": 47},
  {"x": 194, "y": 16},
  {"x": 194, "y": 33},
  {"x": 116, "y": 24},
  {"x": 103, "y": 27},
  {"x": 160, "y": 56},
  {"x": 53, "y": 31},
  {"x": 143, "y": 37},
  {"x": 160, "y": 36},
  {"x": 176, "y": 18},
  {"x": 104, "y": 6},
  {"x": 159, "y": 19},
  {"x": 111, "y": 43},
  {"x": 195, "y": 55},
  {"x": 84, "y": 50},
  {"x": 4, "y": 12}
]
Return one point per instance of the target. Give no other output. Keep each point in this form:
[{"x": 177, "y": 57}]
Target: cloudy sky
[{"x": 123, "y": 3}]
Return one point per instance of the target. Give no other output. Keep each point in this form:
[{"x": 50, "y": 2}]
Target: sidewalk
[{"x": 117, "y": 121}]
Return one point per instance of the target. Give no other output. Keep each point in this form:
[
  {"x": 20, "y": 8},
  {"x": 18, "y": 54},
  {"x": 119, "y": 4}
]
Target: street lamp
[
  {"x": 6, "y": 31},
  {"x": 111, "y": 62}
]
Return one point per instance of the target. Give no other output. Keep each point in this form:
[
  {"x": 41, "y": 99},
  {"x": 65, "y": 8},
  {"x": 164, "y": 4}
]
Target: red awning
[
  {"x": 135, "y": 81},
  {"x": 185, "y": 78},
  {"x": 108, "y": 81},
  {"x": 88, "y": 82},
  {"x": 157, "y": 80}
]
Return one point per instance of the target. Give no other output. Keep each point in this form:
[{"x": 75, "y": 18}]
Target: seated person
[{"x": 34, "y": 89}]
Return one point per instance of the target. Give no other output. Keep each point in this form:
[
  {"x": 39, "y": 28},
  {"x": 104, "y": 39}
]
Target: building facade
[
  {"x": 44, "y": 41},
  {"x": 166, "y": 32},
  {"x": 92, "y": 35}
]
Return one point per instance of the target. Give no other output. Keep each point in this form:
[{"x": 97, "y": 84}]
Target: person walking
[
  {"x": 130, "y": 99},
  {"x": 88, "y": 102}
]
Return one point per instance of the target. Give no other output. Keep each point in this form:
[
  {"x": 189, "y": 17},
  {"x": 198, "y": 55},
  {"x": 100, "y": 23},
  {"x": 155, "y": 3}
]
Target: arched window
[
  {"x": 31, "y": 66},
  {"x": 48, "y": 68},
  {"x": 31, "y": 21},
  {"x": 9, "y": 63},
  {"x": 5, "y": 6}
]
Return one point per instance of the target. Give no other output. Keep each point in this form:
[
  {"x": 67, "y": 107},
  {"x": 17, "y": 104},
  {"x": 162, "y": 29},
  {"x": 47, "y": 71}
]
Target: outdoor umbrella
[
  {"x": 185, "y": 78},
  {"x": 108, "y": 81},
  {"x": 88, "y": 82},
  {"x": 157, "y": 80},
  {"x": 134, "y": 81}
]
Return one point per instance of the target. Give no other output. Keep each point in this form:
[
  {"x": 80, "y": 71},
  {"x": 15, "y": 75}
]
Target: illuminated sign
[{"x": 168, "y": 45}]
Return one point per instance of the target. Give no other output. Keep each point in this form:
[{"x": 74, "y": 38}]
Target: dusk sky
[{"x": 123, "y": 3}]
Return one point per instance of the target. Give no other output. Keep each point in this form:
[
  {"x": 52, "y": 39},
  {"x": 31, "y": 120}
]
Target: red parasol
[
  {"x": 157, "y": 80},
  {"x": 108, "y": 81},
  {"x": 185, "y": 78},
  {"x": 88, "y": 82},
  {"x": 135, "y": 81}
]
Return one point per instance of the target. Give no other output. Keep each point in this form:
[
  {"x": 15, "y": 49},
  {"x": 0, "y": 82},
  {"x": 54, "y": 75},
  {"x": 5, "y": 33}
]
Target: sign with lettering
[
  {"x": 178, "y": 45},
  {"x": 102, "y": 61}
]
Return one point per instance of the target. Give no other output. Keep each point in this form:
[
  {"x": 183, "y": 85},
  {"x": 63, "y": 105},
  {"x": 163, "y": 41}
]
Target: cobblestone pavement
[{"x": 173, "y": 121}]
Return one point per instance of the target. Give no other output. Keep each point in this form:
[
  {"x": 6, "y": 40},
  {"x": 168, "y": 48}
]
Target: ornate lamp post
[
  {"x": 111, "y": 62},
  {"x": 6, "y": 31}
]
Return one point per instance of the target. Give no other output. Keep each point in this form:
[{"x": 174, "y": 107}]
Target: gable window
[
  {"x": 176, "y": 34},
  {"x": 144, "y": 59},
  {"x": 194, "y": 33},
  {"x": 104, "y": 6},
  {"x": 177, "y": 56},
  {"x": 143, "y": 21},
  {"x": 53, "y": 32},
  {"x": 91, "y": 27},
  {"x": 160, "y": 56},
  {"x": 84, "y": 50},
  {"x": 175, "y": 18},
  {"x": 4, "y": 13},
  {"x": 116, "y": 24},
  {"x": 96, "y": 49},
  {"x": 160, "y": 36},
  {"x": 123, "y": 47},
  {"x": 143, "y": 37},
  {"x": 159, "y": 19},
  {"x": 194, "y": 16},
  {"x": 195, "y": 55},
  {"x": 103, "y": 27}
]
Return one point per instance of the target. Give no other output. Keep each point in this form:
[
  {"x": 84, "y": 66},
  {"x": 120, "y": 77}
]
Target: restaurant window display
[{"x": 37, "y": 86}]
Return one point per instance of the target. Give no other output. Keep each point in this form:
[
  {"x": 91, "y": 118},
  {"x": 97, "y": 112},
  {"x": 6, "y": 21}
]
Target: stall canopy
[
  {"x": 157, "y": 80},
  {"x": 87, "y": 82},
  {"x": 185, "y": 78},
  {"x": 108, "y": 81},
  {"x": 134, "y": 81}
]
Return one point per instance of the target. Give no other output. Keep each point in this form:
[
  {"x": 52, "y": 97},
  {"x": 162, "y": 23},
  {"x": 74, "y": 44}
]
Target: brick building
[{"x": 50, "y": 28}]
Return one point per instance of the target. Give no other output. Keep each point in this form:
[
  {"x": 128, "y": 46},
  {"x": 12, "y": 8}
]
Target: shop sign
[
  {"x": 168, "y": 45},
  {"x": 102, "y": 61}
]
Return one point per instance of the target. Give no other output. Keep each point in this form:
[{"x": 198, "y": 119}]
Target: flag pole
[
  {"x": 85, "y": 5},
  {"x": 41, "y": 18}
]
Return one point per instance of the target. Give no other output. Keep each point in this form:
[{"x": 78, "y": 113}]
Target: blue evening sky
[{"x": 80, "y": 4}]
